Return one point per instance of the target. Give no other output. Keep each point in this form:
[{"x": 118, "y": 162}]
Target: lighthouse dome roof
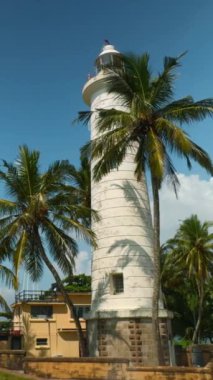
[{"x": 108, "y": 49}]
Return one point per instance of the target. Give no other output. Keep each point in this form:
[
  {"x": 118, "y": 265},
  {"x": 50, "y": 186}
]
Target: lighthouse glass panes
[
  {"x": 107, "y": 61},
  {"x": 117, "y": 283}
]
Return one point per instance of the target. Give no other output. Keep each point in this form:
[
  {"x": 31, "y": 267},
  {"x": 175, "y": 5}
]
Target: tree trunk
[
  {"x": 200, "y": 311},
  {"x": 67, "y": 300},
  {"x": 156, "y": 285}
]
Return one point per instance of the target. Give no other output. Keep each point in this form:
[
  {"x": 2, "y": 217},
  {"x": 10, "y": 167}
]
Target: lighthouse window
[{"x": 117, "y": 283}]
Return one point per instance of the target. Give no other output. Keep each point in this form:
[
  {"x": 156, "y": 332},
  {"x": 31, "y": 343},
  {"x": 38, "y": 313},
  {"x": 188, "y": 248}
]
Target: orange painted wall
[{"x": 60, "y": 330}]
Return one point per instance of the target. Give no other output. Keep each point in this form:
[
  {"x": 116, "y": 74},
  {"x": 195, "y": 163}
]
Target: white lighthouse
[{"x": 122, "y": 265}]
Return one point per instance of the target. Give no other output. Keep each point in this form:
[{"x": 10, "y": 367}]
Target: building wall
[
  {"x": 110, "y": 369},
  {"x": 60, "y": 330}
]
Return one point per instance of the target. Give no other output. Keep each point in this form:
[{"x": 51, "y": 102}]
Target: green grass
[{"x": 8, "y": 376}]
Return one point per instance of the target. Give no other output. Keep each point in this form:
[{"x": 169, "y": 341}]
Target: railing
[
  {"x": 37, "y": 295},
  {"x": 11, "y": 328}
]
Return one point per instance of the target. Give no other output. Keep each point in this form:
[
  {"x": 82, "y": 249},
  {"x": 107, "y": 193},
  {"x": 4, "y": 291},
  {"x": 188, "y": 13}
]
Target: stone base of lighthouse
[{"x": 122, "y": 335}]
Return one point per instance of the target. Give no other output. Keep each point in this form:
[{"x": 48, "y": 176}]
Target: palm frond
[
  {"x": 162, "y": 87},
  {"x": 84, "y": 117},
  {"x": 20, "y": 250},
  {"x": 75, "y": 224},
  {"x": 57, "y": 173},
  {"x": 33, "y": 262},
  {"x": 62, "y": 247},
  {"x": 201, "y": 156},
  {"x": 8, "y": 210},
  {"x": 171, "y": 174},
  {"x": 7, "y": 276},
  {"x": 156, "y": 156},
  {"x": 186, "y": 110},
  {"x": 133, "y": 79},
  {"x": 4, "y": 305},
  {"x": 86, "y": 151},
  {"x": 27, "y": 166}
]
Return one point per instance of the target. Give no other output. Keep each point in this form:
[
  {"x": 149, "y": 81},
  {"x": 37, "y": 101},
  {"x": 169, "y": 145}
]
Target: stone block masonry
[{"x": 130, "y": 338}]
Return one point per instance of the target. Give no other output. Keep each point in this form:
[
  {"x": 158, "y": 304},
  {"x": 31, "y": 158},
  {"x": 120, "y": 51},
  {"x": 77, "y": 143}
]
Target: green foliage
[
  {"x": 150, "y": 120},
  {"x": 81, "y": 179},
  {"x": 183, "y": 342},
  {"x": 43, "y": 207},
  {"x": 5, "y": 326},
  {"x": 76, "y": 283},
  {"x": 10, "y": 279},
  {"x": 7, "y": 315},
  {"x": 189, "y": 258},
  {"x": 9, "y": 376}
]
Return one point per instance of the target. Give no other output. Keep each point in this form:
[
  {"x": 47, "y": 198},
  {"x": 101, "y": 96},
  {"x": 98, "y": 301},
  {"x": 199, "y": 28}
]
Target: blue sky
[{"x": 48, "y": 48}]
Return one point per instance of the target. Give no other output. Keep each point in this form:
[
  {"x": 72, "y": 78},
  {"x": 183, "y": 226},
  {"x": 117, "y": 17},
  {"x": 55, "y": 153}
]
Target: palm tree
[
  {"x": 81, "y": 178},
  {"x": 191, "y": 250},
  {"x": 148, "y": 122},
  {"x": 41, "y": 216},
  {"x": 9, "y": 278}
]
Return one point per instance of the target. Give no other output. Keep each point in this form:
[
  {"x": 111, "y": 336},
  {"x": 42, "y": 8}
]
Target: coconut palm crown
[
  {"x": 41, "y": 218},
  {"x": 191, "y": 251},
  {"x": 149, "y": 117}
]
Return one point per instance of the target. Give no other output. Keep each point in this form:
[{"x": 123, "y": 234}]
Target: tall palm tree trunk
[
  {"x": 156, "y": 285},
  {"x": 200, "y": 311},
  {"x": 67, "y": 300}
]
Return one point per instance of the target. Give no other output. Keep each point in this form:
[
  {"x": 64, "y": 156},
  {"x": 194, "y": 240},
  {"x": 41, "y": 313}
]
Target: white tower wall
[
  {"x": 124, "y": 233},
  {"x": 120, "y": 322}
]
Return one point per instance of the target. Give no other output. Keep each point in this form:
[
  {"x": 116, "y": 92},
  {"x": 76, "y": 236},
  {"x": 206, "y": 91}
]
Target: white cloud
[
  {"x": 83, "y": 262},
  {"x": 8, "y": 294},
  {"x": 195, "y": 196}
]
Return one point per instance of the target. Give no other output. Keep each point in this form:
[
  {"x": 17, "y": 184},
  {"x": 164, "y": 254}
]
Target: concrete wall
[
  {"x": 103, "y": 369},
  {"x": 12, "y": 359}
]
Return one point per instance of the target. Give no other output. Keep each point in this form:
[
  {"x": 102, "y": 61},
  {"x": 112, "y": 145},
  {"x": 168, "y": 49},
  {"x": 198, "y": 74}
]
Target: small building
[{"x": 42, "y": 324}]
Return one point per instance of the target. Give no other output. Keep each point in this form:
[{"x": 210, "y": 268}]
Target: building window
[
  {"x": 41, "y": 342},
  {"x": 117, "y": 283},
  {"x": 41, "y": 311},
  {"x": 81, "y": 310},
  {"x": 4, "y": 337}
]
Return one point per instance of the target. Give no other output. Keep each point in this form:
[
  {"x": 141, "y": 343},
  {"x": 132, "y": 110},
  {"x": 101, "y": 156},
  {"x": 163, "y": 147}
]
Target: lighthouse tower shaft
[{"x": 122, "y": 263}]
